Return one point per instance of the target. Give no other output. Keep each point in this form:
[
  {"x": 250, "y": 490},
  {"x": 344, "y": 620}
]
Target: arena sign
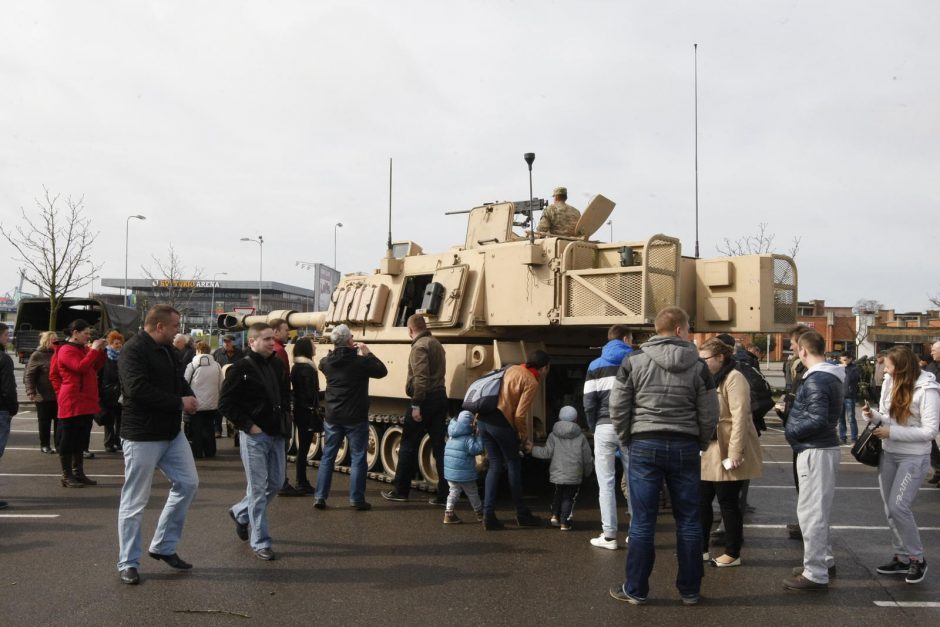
[{"x": 193, "y": 285}]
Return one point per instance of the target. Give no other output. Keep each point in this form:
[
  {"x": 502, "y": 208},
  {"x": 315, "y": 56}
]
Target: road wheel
[
  {"x": 316, "y": 444},
  {"x": 426, "y": 462},
  {"x": 342, "y": 453},
  {"x": 391, "y": 440},
  {"x": 372, "y": 448}
]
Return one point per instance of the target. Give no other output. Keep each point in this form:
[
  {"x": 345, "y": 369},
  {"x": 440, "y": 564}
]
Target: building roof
[{"x": 206, "y": 284}]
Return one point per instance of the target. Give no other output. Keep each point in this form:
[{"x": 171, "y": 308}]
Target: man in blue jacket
[
  {"x": 601, "y": 374},
  {"x": 850, "y": 396},
  {"x": 811, "y": 431}
]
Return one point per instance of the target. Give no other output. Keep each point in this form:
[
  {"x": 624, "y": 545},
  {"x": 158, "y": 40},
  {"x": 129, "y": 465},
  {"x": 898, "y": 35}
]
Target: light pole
[
  {"x": 127, "y": 233},
  {"x": 260, "y": 242},
  {"x": 339, "y": 225},
  {"x": 610, "y": 223},
  {"x": 212, "y": 303}
]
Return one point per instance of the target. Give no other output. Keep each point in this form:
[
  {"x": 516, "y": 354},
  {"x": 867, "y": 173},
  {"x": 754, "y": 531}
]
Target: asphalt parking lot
[{"x": 397, "y": 564}]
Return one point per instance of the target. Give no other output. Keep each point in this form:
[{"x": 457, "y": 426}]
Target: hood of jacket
[
  {"x": 834, "y": 369},
  {"x": 303, "y": 360},
  {"x": 672, "y": 354},
  {"x": 926, "y": 381},
  {"x": 198, "y": 359},
  {"x": 614, "y": 351},
  {"x": 457, "y": 428},
  {"x": 567, "y": 430}
]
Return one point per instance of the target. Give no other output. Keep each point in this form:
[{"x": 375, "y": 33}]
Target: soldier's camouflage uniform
[{"x": 559, "y": 219}]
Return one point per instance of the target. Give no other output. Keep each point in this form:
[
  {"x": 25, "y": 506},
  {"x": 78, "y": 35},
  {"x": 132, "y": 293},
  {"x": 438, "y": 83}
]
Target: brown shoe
[
  {"x": 450, "y": 518},
  {"x": 802, "y": 584}
]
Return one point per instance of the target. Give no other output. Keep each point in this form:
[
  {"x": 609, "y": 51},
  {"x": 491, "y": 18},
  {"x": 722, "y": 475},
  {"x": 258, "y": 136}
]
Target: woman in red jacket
[{"x": 77, "y": 364}]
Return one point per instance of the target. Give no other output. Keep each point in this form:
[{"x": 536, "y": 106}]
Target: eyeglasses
[{"x": 709, "y": 357}]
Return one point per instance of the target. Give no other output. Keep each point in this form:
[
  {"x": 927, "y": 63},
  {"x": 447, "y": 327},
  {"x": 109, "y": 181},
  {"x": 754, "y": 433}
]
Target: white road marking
[
  {"x": 907, "y": 603},
  {"x": 790, "y": 487},
  {"x": 29, "y": 515},
  {"x": 843, "y": 527},
  {"x": 790, "y": 462},
  {"x": 12, "y": 474}
]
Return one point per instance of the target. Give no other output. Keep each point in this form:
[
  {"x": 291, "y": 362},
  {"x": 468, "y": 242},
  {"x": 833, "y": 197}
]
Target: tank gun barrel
[
  {"x": 295, "y": 319},
  {"x": 519, "y": 206}
]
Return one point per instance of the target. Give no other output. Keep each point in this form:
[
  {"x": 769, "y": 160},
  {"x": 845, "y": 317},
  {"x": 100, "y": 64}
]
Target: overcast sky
[{"x": 219, "y": 120}]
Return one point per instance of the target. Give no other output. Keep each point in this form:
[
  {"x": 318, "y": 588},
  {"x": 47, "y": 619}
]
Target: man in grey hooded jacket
[{"x": 664, "y": 407}]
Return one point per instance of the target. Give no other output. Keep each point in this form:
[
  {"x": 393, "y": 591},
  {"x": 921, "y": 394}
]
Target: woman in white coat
[{"x": 909, "y": 414}]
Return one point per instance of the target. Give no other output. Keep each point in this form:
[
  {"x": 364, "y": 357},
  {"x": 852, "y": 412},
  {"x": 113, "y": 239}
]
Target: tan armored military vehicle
[{"x": 499, "y": 296}]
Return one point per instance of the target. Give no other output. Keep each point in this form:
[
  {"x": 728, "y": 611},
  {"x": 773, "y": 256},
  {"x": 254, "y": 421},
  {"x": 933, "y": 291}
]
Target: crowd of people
[{"x": 683, "y": 420}]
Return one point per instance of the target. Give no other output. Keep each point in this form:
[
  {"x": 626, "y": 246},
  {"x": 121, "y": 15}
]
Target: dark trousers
[
  {"x": 433, "y": 416},
  {"x": 564, "y": 499},
  {"x": 502, "y": 452},
  {"x": 111, "y": 421},
  {"x": 217, "y": 423},
  {"x": 201, "y": 433},
  {"x": 935, "y": 456},
  {"x": 304, "y": 438},
  {"x": 46, "y": 412},
  {"x": 75, "y": 433},
  {"x": 728, "y": 493}
]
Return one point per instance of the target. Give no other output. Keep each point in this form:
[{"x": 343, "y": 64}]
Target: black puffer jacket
[
  {"x": 347, "y": 384},
  {"x": 850, "y": 385},
  {"x": 816, "y": 409}
]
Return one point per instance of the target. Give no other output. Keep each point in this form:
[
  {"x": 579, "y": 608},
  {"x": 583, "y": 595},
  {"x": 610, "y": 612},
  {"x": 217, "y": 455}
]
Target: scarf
[
  {"x": 726, "y": 367},
  {"x": 112, "y": 354}
]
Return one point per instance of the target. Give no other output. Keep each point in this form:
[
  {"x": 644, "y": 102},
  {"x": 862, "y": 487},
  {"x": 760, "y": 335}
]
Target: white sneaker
[
  {"x": 603, "y": 543},
  {"x": 706, "y": 557}
]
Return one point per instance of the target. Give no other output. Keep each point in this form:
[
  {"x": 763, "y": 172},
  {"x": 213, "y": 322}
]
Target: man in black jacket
[
  {"x": 155, "y": 395},
  {"x": 9, "y": 404},
  {"x": 811, "y": 431},
  {"x": 348, "y": 368},
  {"x": 255, "y": 397},
  {"x": 850, "y": 397}
]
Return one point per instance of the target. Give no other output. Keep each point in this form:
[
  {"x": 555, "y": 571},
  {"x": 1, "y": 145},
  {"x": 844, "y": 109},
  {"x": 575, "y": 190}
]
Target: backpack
[
  {"x": 482, "y": 395},
  {"x": 762, "y": 400}
]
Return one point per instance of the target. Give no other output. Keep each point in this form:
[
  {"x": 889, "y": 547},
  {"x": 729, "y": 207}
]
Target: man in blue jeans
[
  {"x": 256, "y": 398},
  {"x": 347, "y": 368},
  {"x": 9, "y": 404},
  {"x": 664, "y": 408},
  {"x": 850, "y": 397},
  {"x": 155, "y": 395}
]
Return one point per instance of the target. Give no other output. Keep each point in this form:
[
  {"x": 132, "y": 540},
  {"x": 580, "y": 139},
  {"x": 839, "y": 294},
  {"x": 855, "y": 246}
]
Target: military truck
[
  {"x": 32, "y": 319},
  {"x": 500, "y": 295}
]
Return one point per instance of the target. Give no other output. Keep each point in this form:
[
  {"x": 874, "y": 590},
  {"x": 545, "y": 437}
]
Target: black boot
[
  {"x": 68, "y": 477},
  {"x": 78, "y": 469}
]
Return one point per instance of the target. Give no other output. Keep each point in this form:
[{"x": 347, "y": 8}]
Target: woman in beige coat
[{"x": 733, "y": 455}]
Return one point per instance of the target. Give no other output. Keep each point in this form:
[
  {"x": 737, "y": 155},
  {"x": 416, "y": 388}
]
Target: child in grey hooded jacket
[{"x": 571, "y": 463}]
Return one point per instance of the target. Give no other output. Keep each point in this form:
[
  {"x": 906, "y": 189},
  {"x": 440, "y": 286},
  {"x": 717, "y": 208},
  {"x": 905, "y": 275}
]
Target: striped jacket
[{"x": 600, "y": 380}]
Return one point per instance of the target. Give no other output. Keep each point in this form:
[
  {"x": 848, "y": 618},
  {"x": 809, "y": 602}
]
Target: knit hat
[
  {"x": 727, "y": 339},
  {"x": 568, "y": 413}
]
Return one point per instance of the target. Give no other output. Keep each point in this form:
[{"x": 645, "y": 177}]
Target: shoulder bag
[{"x": 867, "y": 449}]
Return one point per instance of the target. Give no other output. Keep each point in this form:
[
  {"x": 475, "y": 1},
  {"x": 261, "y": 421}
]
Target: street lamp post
[
  {"x": 212, "y": 302},
  {"x": 610, "y": 223},
  {"x": 127, "y": 232},
  {"x": 339, "y": 225},
  {"x": 260, "y": 242}
]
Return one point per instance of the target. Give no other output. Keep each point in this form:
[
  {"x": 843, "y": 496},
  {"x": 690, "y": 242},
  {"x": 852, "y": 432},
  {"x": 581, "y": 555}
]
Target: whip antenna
[{"x": 529, "y": 159}]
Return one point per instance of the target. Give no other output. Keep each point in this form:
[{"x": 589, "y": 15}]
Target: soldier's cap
[
  {"x": 560, "y": 191},
  {"x": 228, "y": 337}
]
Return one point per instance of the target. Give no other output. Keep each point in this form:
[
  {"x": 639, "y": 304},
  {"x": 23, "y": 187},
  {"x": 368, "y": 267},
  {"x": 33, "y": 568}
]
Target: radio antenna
[
  {"x": 695, "y": 82},
  {"x": 389, "y": 243},
  {"x": 529, "y": 159}
]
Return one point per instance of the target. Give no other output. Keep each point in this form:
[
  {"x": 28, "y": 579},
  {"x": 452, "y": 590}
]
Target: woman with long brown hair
[
  {"x": 908, "y": 417},
  {"x": 733, "y": 456}
]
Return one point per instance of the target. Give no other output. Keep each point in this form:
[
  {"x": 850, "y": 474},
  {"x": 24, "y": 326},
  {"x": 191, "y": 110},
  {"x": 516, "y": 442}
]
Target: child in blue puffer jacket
[{"x": 460, "y": 466}]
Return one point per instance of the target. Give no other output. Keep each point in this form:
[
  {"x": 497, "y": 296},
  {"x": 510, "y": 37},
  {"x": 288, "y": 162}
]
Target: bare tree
[
  {"x": 760, "y": 243},
  {"x": 173, "y": 284},
  {"x": 935, "y": 299},
  {"x": 54, "y": 246},
  {"x": 867, "y": 305}
]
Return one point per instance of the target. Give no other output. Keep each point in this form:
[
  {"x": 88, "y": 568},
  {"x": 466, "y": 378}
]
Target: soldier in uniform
[{"x": 559, "y": 218}]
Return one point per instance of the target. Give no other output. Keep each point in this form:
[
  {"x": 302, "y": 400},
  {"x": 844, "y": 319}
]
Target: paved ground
[{"x": 398, "y": 564}]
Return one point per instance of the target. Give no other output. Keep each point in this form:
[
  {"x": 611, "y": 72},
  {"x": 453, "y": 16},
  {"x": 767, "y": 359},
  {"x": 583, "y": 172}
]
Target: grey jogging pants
[
  {"x": 900, "y": 477},
  {"x": 817, "y": 469}
]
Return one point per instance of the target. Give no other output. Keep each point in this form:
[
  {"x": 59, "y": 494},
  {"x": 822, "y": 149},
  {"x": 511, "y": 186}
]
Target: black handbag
[{"x": 867, "y": 449}]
